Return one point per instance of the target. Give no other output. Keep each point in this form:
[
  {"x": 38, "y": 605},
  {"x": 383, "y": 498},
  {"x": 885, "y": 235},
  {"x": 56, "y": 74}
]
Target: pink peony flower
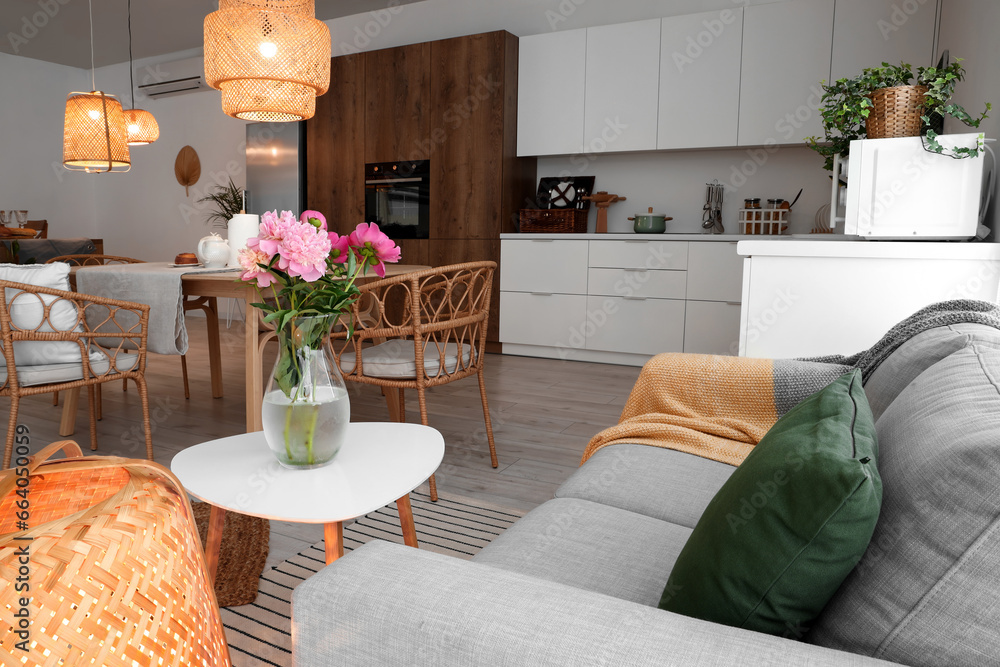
[
  {"x": 303, "y": 250},
  {"x": 374, "y": 247},
  {"x": 249, "y": 259},
  {"x": 269, "y": 234},
  {"x": 341, "y": 245},
  {"x": 314, "y": 218}
]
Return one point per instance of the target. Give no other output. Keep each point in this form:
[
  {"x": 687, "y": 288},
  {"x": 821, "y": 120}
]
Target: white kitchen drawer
[
  {"x": 537, "y": 265},
  {"x": 715, "y": 271},
  {"x": 712, "y": 327},
  {"x": 637, "y": 282},
  {"x": 639, "y": 326},
  {"x": 554, "y": 320},
  {"x": 639, "y": 254}
]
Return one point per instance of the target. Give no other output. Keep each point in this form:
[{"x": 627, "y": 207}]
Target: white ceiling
[{"x": 59, "y": 30}]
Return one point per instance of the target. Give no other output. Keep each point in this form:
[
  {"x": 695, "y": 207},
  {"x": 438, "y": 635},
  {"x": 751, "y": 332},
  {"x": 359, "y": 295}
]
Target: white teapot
[{"x": 213, "y": 251}]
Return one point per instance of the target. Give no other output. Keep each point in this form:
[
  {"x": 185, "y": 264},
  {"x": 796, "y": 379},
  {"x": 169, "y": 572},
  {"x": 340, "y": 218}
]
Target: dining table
[{"x": 228, "y": 285}]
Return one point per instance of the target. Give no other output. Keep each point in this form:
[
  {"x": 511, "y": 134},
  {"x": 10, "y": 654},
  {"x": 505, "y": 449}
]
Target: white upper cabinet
[
  {"x": 700, "y": 79},
  {"x": 550, "y": 90},
  {"x": 622, "y": 89},
  {"x": 867, "y": 33},
  {"x": 786, "y": 53}
]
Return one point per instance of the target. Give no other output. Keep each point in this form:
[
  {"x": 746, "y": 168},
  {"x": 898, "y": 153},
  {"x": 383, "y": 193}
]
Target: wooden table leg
[
  {"x": 68, "y": 424},
  {"x": 214, "y": 349},
  {"x": 333, "y": 537},
  {"x": 406, "y": 521},
  {"x": 214, "y": 541},
  {"x": 255, "y": 384}
]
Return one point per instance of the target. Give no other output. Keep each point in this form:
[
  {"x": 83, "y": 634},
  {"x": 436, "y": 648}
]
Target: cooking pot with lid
[{"x": 650, "y": 223}]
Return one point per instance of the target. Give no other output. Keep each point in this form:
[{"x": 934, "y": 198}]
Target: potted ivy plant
[
  {"x": 228, "y": 200},
  {"x": 848, "y": 105}
]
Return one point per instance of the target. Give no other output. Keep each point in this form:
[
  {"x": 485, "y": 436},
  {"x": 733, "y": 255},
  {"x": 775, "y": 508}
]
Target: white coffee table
[{"x": 378, "y": 464}]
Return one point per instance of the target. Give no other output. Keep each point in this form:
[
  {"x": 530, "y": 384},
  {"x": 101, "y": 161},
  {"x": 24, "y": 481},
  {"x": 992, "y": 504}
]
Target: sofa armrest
[{"x": 386, "y": 604}]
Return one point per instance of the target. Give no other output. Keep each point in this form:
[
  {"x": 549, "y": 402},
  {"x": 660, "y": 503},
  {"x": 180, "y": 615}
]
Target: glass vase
[{"x": 305, "y": 410}]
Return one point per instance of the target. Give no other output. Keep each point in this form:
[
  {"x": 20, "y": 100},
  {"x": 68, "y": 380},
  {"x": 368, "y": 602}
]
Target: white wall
[
  {"x": 32, "y": 106},
  {"x": 968, "y": 30},
  {"x": 145, "y": 213},
  {"x": 673, "y": 183}
]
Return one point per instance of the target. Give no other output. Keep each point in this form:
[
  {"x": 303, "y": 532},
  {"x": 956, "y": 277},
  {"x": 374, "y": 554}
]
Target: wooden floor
[{"x": 543, "y": 411}]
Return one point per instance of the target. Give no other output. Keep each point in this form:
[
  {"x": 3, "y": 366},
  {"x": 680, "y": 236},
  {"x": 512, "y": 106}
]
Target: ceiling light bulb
[
  {"x": 94, "y": 114},
  {"x": 268, "y": 49},
  {"x": 274, "y": 152},
  {"x": 133, "y": 128}
]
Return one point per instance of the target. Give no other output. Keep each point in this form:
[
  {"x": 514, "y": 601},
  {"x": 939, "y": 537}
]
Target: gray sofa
[{"x": 577, "y": 580}]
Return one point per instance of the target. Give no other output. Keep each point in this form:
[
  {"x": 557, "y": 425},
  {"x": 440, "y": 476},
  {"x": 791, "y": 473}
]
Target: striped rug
[{"x": 259, "y": 634}]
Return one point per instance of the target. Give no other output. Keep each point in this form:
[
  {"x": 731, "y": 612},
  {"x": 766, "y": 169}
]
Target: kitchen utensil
[
  {"x": 712, "y": 217},
  {"x": 796, "y": 199},
  {"x": 650, "y": 223},
  {"x": 602, "y": 200}
]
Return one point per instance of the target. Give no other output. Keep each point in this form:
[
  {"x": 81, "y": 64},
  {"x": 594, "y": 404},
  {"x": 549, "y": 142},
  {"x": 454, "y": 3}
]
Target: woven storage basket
[
  {"x": 571, "y": 221},
  {"x": 115, "y": 571},
  {"x": 896, "y": 112}
]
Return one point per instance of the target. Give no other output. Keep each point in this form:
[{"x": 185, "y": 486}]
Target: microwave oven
[{"x": 898, "y": 190}]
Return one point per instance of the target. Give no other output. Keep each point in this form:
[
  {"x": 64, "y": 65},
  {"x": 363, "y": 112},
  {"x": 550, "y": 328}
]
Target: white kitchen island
[{"x": 802, "y": 298}]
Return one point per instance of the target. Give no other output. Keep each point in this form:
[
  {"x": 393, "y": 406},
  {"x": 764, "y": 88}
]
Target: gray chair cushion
[
  {"x": 398, "y": 359},
  {"x": 925, "y": 593},
  {"x": 660, "y": 483},
  {"x": 590, "y": 546},
  {"x": 37, "y": 374}
]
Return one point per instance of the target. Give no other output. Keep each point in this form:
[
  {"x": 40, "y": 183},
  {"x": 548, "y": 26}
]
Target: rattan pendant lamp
[
  {"x": 270, "y": 58},
  {"x": 142, "y": 128},
  {"x": 94, "y": 134}
]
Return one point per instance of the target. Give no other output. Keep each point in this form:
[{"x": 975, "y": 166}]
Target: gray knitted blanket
[{"x": 935, "y": 315}]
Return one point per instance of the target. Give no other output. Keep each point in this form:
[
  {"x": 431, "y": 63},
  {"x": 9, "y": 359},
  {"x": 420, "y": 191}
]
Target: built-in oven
[{"x": 397, "y": 197}]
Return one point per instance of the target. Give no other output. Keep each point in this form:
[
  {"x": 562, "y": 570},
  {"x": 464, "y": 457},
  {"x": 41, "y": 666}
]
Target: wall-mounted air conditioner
[{"x": 177, "y": 77}]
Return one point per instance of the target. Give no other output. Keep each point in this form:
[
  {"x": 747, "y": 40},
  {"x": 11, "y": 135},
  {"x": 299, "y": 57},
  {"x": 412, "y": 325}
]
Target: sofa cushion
[
  {"x": 925, "y": 593},
  {"x": 27, "y": 311},
  {"x": 917, "y": 355},
  {"x": 590, "y": 546},
  {"x": 790, "y": 523},
  {"x": 661, "y": 483}
]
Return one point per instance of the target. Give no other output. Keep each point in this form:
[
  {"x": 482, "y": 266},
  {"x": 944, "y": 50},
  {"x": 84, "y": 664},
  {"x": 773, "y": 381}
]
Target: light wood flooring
[{"x": 543, "y": 411}]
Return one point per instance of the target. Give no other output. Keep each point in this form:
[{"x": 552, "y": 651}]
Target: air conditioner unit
[{"x": 177, "y": 77}]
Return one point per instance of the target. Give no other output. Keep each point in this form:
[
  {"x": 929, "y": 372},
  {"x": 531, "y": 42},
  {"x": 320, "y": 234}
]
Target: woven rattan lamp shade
[
  {"x": 114, "y": 565},
  {"x": 94, "y": 135},
  {"x": 141, "y": 127},
  {"x": 270, "y": 58}
]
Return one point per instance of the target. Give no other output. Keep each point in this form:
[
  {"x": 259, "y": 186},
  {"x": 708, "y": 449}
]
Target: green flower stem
[
  {"x": 288, "y": 432},
  {"x": 310, "y": 432}
]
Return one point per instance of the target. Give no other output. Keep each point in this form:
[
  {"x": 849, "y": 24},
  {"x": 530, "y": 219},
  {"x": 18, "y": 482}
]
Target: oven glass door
[{"x": 399, "y": 205}]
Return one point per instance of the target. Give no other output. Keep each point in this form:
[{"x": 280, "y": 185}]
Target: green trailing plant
[
  {"x": 228, "y": 200},
  {"x": 847, "y": 103}
]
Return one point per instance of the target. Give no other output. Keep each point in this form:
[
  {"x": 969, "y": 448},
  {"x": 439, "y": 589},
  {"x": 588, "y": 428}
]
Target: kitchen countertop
[{"x": 731, "y": 238}]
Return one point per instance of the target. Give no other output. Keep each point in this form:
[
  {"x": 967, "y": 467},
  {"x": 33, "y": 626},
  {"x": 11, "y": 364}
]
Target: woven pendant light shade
[
  {"x": 94, "y": 134},
  {"x": 141, "y": 127},
  {"x": 270, "y": 58}
]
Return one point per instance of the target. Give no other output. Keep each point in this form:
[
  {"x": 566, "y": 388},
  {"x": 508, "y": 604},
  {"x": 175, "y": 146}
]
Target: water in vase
[{"x": 306, "y": 434}]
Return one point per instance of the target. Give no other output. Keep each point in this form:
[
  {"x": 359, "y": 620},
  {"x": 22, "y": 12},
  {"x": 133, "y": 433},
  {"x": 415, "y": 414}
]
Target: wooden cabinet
[
  {"x": 397, "y": 102},
  {"x": 452, "y": 102},
  {"x": 867, "y": 33},
  {"x": 622, "y": 87},
  {"x": 335, "y": 147},
  {"x": 786, "y": 53},
  {"x": 700, "y": 79},
  {"x": 550, "y": 92}
]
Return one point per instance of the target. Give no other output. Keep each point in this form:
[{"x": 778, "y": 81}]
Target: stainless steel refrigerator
[{"x": 276, "y": 167}]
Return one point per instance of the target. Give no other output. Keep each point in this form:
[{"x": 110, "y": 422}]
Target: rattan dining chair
[
  {"x": 204, "y": 303},
  {"x": 420, "y": 330},
  {"x": 55, "y": 340}
]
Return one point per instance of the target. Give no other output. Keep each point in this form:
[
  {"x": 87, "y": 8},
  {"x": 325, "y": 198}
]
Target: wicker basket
[
  {"x": 554, "y": 221},
  {"x": 111, "y": 554},
  {"x": 896, "y": 112}
]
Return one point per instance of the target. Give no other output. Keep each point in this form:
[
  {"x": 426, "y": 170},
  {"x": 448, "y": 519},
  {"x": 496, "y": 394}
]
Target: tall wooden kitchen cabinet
[{"x": 452, "y": 102}]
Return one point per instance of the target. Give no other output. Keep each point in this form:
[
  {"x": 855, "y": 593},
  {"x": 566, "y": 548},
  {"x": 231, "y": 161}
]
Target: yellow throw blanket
[{"x": 711, "y": 406}]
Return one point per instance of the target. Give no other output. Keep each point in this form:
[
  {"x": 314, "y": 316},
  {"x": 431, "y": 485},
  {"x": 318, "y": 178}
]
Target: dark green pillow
[{"x": 789, "y": 525}]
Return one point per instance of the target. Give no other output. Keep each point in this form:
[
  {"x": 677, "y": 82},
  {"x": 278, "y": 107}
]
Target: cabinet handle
[
  {"x": 636, "y": 241},
  {"x": 636, "y": 270},
  {"x": 542, "y": 240},
  {"x": 634, "y": 298},
  {"x": 733, "y": 303},
  {"x": 541, "y": 293}
]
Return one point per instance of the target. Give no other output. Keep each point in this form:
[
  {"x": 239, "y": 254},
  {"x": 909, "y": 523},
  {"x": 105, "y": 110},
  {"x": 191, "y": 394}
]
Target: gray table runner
[{"x": 154, "y": 283}]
